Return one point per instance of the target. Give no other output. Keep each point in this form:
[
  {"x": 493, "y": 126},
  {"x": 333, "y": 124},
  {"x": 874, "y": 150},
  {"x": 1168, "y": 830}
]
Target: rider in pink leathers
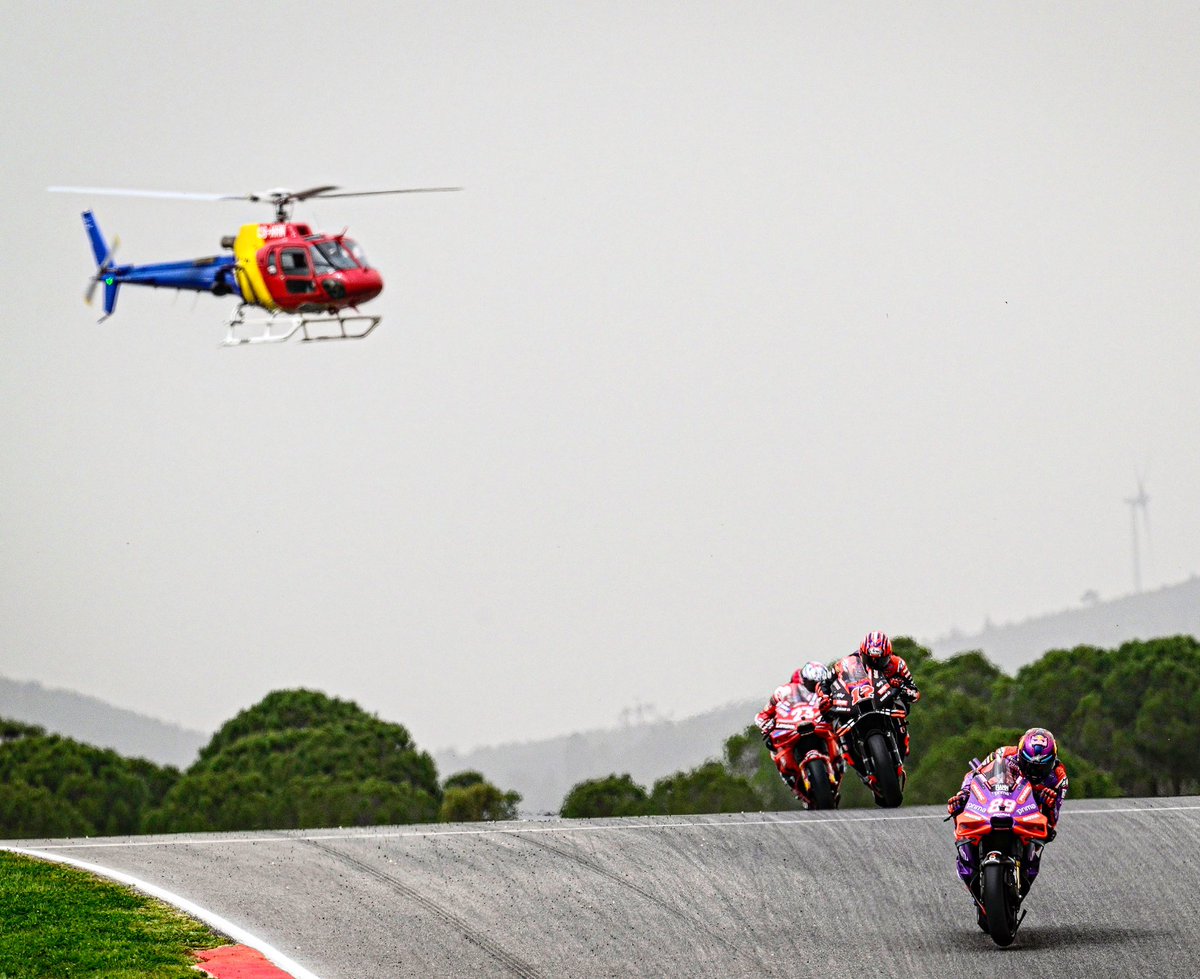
[{"x": 1034, "y": 758}]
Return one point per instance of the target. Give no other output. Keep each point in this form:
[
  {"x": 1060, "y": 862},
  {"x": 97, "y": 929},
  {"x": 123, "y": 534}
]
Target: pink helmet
[
  {"x": 1037, "y": 754},
  {"x": 876, "y": 649}
]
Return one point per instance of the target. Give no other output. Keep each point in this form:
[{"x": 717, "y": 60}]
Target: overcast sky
[{"x": 757, "y": 327}]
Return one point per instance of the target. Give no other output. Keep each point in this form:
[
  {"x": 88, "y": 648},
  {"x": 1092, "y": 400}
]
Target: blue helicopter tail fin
[{"x": 99, "y": 245}]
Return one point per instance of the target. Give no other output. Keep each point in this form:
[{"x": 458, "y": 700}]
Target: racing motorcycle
[
  {"x": 999, "y": 834},
  {"x": 870, "y": 717},
  {"x": 806, "y": 753}
]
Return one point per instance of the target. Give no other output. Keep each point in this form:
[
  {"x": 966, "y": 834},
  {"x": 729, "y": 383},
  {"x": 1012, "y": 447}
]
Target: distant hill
[
  {"x": 545, "y": 771},
  {"x": 1170, "y": 611},
  {"x": 97, "y": 723}
]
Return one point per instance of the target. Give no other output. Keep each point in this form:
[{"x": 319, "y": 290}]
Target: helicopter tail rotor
[{"x": 104, "y": 265}]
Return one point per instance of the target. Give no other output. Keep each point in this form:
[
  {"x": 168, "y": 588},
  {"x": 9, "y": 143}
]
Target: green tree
[
  {"x": 463, "y": 780},
  {"x": 613, "y": 795},
  {"x": 708, "y": 788},
  {"x": 299, "y": 759},
  {"x": 58, "y": 786},
  {"x": 478, "y": 802}
]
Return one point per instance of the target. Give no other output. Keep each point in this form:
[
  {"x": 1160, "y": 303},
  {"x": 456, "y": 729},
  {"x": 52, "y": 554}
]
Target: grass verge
[{"x": 57, "y": 922}]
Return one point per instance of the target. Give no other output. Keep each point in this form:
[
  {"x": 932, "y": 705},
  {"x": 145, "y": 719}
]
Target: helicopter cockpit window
[
  {"x": 356, "y": 250},
  {"x": 334, "y": 254},
  {"x": 320, "y": 262}
]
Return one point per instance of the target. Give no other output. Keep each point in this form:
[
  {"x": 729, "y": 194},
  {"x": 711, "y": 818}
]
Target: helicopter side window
[
  {"x": 293, "y": 262},
  {"x": 272, "y": 265}
]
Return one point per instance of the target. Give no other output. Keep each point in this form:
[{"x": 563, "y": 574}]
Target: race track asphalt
[{"x": 855, "y": 893}]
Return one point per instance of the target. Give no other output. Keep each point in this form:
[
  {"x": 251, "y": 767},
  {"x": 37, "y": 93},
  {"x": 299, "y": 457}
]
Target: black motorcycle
[{"x": 870, "y": 717}]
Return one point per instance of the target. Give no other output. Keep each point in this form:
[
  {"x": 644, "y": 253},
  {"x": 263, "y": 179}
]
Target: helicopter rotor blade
[
  {"x": 406, "y": 190},
  {"x": 161, "y": 194},
  {"x": 303, "y": 195}
]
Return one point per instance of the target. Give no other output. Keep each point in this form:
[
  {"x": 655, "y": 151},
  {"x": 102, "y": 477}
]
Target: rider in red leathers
[
  {"x": 875, "y": 651},
  {"x": 810, "y": 682}
]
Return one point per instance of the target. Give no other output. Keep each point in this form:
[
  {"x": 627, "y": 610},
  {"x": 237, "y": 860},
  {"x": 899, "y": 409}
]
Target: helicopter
[{"x": 305, "y": 281}]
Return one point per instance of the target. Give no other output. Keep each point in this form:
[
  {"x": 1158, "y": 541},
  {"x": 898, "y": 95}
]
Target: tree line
[
  {"x": 298, "y": 759},
  {"x": 1127, "y": 722}
]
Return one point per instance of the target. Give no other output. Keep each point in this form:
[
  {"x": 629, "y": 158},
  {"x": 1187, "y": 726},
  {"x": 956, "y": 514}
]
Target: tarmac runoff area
[{"x": 860, "y": 892}]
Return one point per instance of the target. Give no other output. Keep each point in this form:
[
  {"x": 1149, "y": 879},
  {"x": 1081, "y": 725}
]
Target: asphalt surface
[{"x": 788, "y": 894}]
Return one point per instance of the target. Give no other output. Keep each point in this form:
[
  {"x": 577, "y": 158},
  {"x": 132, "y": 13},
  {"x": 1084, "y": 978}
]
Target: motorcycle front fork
[{"x": 967, "y": 863}]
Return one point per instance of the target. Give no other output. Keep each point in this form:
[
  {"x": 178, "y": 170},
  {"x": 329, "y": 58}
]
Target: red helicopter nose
[
  {"x": 353, "y": 287},
  {"x": 364, "y": 286}
]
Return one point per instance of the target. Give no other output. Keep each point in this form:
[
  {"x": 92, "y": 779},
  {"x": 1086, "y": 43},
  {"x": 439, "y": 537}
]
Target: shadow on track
[
  {"x": 1085, "y": 936},
  {"x": 1042, "y": 938}
]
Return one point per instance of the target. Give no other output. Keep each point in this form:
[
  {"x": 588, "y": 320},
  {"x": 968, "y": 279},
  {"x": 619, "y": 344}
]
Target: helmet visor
[{"x": 1036, "y": 766}]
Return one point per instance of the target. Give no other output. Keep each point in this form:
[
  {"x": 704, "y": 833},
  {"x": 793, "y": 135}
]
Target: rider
[
  {"x": 810, "y": 681},
  {"x": 875, "y": 651},
  {"x": 1034, "y": 758}
]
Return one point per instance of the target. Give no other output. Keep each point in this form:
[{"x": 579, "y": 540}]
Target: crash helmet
[
  {"x": 876, "y": 649},
  {"x": 1037, "y": 754},
  {"x": 813, "y": 675}
]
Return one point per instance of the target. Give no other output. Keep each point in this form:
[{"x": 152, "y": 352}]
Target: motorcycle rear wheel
[
  {"x": 1001, "y": 917},
  {"x": 887, "y": 782},
  {"x": 822, "y": 789}
]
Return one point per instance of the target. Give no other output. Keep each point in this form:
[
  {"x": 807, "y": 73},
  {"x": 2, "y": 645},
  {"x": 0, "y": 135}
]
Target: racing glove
[
  {"x": 1047, "y": 798},
  {"x": 956, "y": 803}
]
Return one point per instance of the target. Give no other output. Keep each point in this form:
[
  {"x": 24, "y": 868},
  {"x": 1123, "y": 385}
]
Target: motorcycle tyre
[
  {"x": 822, "y": 789},
  {"x": 887, "y": 783},
  {"x": 1001, "y": 922}
]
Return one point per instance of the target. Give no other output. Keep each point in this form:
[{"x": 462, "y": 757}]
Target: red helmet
[
  {"x": 876, "y": 649},
  {"x": 1037, "y": 754}
]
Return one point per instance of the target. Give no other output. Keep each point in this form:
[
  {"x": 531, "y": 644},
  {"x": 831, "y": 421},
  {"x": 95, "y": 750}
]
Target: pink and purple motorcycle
[{"x": 999, "y": 834}]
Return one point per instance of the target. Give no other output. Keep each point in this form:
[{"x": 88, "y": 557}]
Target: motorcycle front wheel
[
  {"x": 996, "y": 903},
  {"x": 887, "y": 782},
  {"x": 821, "y": 792}
]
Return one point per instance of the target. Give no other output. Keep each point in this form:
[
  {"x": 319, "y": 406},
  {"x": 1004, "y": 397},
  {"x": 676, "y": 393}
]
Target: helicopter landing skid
[{"x": 281, "y": 327}]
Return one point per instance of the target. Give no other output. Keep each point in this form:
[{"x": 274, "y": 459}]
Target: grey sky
[{"x": 757, "y": 327}]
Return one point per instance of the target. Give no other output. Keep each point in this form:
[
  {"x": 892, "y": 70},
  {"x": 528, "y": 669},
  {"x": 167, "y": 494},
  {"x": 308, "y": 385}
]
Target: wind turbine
[{"x": 1135, "y": 503}]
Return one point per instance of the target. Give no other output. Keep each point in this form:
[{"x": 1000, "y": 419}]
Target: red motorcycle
[{"x": 806, "y": 752}]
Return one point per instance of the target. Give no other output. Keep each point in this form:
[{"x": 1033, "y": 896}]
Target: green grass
[{"x": 61, "y": 923}]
